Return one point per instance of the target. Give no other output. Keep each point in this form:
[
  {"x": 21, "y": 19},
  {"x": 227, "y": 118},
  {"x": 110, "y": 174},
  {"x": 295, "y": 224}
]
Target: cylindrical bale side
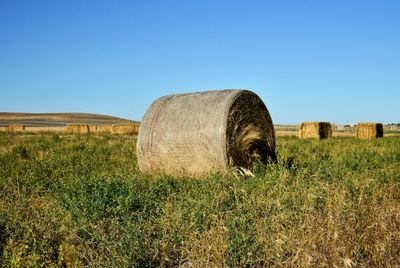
[
  {"x": 78, "y": 129},
  {"x": 319, "y": 130},
  {"x": 104, "y": 128},
  {"x": 369, "y": 130},
  {"x": 308, "y": 130},
  {"x": 125, "y": 129},
  {"x": 92, "y": 128},
  {"x": 199, "y": 133},
  {"x": 16, "y": 128}
]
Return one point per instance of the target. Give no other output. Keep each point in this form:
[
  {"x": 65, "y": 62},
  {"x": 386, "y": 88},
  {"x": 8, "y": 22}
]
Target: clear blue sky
[{"x": 308, "y": 60}]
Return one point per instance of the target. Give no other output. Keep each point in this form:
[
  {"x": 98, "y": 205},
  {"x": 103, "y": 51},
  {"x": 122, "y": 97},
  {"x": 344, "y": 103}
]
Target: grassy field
[{"x": 81, "y": 201}]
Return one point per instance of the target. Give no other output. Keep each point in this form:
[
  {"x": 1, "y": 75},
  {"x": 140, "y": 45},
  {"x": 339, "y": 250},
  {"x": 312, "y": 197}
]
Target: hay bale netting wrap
[
  {"x": 16, "y": 128},
  {"x": 78, "y": 129},
  {"x": 369, "y": 130},
  {"x": 199, "y": 133},
  {"x": 319, "y": 130},
  {"x": 125, "y": 129}
]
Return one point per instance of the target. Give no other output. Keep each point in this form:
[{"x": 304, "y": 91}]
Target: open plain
[{"x": 80, "y": 200}]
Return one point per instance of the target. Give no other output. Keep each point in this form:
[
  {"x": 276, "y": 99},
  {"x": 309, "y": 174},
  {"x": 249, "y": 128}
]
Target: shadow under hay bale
[
  {"x": 199, "y": 133},
  {"x": 319, "y": 130},
  {"x": 78, "y": 129},
  {"x": 16, "y": 128},
  {"x": 369, "y": 130},
  {"x": 125, "y": 129}
]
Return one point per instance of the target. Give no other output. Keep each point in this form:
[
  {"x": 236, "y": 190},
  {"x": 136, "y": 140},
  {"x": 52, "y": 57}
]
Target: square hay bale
[
  {"x": 125, "y": 129},
  {"x": 78, "y": 129},
  {"x": 16, "y": 128},
  {"x": 319, "y": 130},
  {"x": 369, "y": 130},
  {"x": 104, "y": 129},
  {"x": 92, "y": 128}
]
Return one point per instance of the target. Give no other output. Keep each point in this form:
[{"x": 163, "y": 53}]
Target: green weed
[{"x": 81, "y": 201}]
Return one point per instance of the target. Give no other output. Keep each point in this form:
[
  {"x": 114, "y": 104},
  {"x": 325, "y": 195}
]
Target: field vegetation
[{"x": 81, "y": 201}]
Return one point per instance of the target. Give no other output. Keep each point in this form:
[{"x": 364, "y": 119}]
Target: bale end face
[
  {"x": 250, "y": 132},
  {"x": 318, "y": 130},
  {"x": 369, "y": 130}
]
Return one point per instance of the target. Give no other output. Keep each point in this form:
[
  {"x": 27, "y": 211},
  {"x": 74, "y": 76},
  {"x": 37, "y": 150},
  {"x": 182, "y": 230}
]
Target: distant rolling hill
[{"x": 58, "y": 119}]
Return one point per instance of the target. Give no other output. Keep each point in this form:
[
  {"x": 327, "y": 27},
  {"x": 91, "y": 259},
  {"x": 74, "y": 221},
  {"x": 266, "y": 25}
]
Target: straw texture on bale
[
  {"x": 92, "y": 128},
  {"x": 125, "y": 129},
  {"x": 104, "y": 129},
  {"x": 199, "y": 133},
  {"x": 16, "y": 128},
  {"x": 319, "y": 130},
  {"x": 78, "y": 129},
  {"x": 369, "y": 130}
]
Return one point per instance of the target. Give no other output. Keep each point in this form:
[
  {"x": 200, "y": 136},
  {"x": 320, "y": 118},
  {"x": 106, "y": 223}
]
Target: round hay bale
[
  {"x": 16, "y": 128},
  {"x": 125, "y": 129},
  {"x": 78, "y": 129},
  {"x": 199, "y": 133},
  {"x": 369, "y": 130},
  {"x": 319, "y": 130}
]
